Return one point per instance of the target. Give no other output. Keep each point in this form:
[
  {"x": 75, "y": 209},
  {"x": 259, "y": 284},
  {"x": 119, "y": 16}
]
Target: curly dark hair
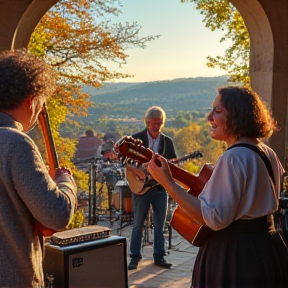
[
  {"x": 247, "y": 116},
  {"x": 22, "y": 74}
]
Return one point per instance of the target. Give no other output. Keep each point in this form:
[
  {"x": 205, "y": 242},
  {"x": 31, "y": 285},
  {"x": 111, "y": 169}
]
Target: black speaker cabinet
[{"x": 99, "y": 264}]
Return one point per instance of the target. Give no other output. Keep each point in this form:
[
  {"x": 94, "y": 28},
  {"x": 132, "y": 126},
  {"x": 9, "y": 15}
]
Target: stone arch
[
  {"x": 267, "y": 23},
  {"x": 29, "y": 20},
  {"x": 261, "y": 60},
  {"x": 18, "y": 20},
  {"x": 257, "y": 23}
]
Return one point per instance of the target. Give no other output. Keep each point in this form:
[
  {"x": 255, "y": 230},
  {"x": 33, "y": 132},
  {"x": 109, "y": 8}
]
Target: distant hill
[{"x": 131, "y": 100}]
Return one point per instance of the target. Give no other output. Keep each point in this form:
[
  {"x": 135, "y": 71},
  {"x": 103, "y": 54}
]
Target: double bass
[{"x": 52, "y": 159}]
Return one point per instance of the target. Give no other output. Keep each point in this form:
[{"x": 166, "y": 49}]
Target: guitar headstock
[{"x": 133, "y": 149}]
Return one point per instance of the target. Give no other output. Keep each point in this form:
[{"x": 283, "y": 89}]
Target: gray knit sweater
[{"x": 27, "y": 194}]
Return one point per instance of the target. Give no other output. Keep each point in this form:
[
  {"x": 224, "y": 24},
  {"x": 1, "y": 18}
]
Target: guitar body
[
  {"x": 137, "y": 180},
  {"x": 194, "y": 233}
]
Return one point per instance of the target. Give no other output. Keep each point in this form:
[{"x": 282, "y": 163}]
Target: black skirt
[{"x": 246, "y": 254}]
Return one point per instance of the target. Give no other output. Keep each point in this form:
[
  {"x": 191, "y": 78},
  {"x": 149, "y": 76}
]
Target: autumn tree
[
  {"x": 76, "y": 38},
  {"x": 79, "y": 44},
  {"x": 222, "y": 15}
]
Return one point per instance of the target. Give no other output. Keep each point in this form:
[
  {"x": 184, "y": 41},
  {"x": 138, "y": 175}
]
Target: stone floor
[{"x": 181, "y": 254}]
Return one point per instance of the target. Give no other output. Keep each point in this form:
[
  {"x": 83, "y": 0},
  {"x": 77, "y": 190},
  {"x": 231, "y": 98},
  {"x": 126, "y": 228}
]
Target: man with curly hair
[{"x": 28, "y": 194}]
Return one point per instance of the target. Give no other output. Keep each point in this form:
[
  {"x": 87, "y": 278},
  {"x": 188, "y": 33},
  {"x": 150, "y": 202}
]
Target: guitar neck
[
  {"x": 195, "y": 183},
  {"x": 178, "y": 160},
  {"x": 131, "y": 148}
]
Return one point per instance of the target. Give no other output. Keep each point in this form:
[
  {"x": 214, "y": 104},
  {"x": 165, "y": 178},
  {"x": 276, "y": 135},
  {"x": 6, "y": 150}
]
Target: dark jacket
[{"x": 166, "y": 147}]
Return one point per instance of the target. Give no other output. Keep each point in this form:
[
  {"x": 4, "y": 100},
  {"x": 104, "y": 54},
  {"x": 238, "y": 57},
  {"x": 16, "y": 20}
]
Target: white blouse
[{"x": 240, "y": 187}]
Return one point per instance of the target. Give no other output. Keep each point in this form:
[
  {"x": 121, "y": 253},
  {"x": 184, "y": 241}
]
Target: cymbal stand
[{"x": 92, "y": 196}]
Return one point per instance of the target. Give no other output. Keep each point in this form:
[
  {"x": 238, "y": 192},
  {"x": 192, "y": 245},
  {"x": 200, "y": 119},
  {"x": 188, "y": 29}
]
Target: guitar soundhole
[{"x": 158, "y": 162}]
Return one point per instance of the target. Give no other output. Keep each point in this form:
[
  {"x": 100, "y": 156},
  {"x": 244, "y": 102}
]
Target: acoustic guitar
[
  {"x": 193, "y": 232},
  {"x": 52, "y": 158},
  {"x": 139, "y": 179}
]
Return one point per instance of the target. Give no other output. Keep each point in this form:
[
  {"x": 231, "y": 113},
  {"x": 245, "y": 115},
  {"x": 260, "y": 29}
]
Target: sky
[{"x": 181, "y": 50}]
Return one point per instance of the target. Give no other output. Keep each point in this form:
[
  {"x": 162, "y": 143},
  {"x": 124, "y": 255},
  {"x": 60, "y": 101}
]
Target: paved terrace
[{"x": 181, "y": 255}]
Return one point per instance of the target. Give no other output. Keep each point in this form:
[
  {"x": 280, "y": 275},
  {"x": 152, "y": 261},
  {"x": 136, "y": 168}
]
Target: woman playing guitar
[{"x": 238, "y": 200}]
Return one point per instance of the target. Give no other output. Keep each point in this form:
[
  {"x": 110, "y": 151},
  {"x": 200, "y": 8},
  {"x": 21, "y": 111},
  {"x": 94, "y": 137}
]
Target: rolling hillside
[{"x": 130, "y": 100}]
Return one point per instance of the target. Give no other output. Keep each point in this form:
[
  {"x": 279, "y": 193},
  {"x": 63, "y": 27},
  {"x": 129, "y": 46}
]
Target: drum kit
[{"x": 109, "y": 193}]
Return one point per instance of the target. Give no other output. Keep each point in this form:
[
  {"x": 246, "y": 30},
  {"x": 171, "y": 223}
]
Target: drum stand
[
  {"x": 93, "y": 210},
  {"x": 120, "y": 219},
  {"x": 120, "y": 212},
  {"x": 92, "y": 217},
  {"x": 92, "y": 195}
]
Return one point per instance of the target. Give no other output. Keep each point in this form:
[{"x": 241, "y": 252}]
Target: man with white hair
[{"x": 152, "y": 138}]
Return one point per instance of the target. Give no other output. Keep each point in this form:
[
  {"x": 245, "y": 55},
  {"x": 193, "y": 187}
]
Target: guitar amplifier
[{"x": 94, "y": 264}]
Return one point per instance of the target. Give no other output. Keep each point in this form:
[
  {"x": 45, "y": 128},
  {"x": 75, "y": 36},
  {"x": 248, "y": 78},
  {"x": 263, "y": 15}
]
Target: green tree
[
  {"x": 182, "y": 119},
  {"x": 222, "y": 15}
]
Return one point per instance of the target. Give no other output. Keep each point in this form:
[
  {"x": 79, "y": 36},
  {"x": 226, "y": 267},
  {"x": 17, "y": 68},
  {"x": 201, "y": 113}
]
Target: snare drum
[{"x": 122, "y": 193}]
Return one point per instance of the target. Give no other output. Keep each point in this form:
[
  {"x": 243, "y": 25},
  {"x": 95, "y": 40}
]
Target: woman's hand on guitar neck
[{"x": 159, "y": 170}]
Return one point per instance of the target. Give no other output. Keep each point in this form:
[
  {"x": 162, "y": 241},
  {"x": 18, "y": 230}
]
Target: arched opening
[
  {"x": 28, "y": 21},
  {"x": 261, "y": 63},
  {"x": 268, "y": 63},
  {"x": 18, "y": 19}
]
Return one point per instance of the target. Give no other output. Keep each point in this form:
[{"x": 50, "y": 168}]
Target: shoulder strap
[{"x": 260, "y": 153}]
